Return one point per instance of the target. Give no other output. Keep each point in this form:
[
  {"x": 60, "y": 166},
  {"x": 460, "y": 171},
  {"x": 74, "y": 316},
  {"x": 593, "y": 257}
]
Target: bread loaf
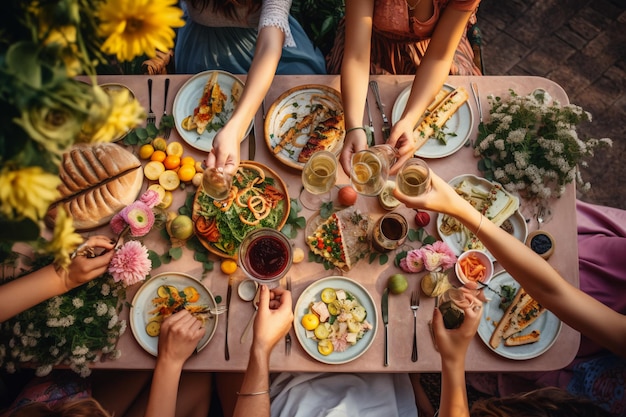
[{"x": 97, "y": 181}]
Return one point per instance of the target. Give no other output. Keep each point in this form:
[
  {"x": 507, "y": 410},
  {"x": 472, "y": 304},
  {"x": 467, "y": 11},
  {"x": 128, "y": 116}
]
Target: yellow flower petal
[{"x": 27, "y": 192}]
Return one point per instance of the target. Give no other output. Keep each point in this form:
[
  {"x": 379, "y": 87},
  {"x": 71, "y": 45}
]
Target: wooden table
[{"x": 372, "y": 276}]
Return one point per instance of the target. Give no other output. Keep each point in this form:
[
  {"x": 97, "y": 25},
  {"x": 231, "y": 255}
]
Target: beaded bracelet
[
  {"x": 356, "y": 128},
  {"x": 250, "y": 394}
]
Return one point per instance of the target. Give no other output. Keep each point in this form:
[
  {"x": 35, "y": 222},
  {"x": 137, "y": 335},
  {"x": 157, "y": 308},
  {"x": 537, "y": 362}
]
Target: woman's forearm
[
  {"x": 253, "y": 397},
  {"x": 164, "y": 390},
  {"x": 453, "y": 401}
]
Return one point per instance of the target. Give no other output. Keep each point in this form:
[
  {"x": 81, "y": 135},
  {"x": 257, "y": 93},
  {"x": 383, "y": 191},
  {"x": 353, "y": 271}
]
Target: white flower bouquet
[{"x": 530, "y": 145}]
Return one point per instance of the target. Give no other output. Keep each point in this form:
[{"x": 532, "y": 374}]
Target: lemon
[
  {"x": 310, "y": 321},
  {"x": 146, "y": 151},
  {"x": 186, "y": 173},
  {"x": 386, "y": 198},
  {"x": 153, "y": 170},
  {"x": 167, "y": 199},
  {"x": 199, "y": 167},
  {"x": 159, "y": 190},
  {"x": 169, "y": 180},
  {"x": 188, "y": 160},
  {"x": 228, "y": 266},
  {"x": 160, "y": 144},
  {"x": 174, "y": 148}
]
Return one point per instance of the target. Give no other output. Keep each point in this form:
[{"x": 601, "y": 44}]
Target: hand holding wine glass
[
  {"x": 370, "y": 168},
  {"x": 318, "y": 177}
]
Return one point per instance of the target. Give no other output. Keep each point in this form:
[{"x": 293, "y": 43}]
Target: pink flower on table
[
  {"x": 118, "y": 223},
  {"x": 438, "y": 256},
  {"x": 130, "y": 264},
  {"x": 414, "y": 261},
  {"x": 151, "y": 198},
  {"x": 139, "y": 217}
]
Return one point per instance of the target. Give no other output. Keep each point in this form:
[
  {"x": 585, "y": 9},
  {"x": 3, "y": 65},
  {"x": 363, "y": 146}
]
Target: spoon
[{"x": 255, "y": 304}]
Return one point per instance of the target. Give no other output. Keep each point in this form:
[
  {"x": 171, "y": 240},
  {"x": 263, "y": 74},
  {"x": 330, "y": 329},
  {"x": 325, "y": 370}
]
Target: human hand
[
  {"x": 85, "y": 268},
  {"x": 180, "y": 334},
  {"x": 355, "y": 141},
  {"x": 453, "y": 343},
  {"x": 226, "y": 150},
  {"x": 441, "y": 197},
  {"x": 273, "y": 319},
  {"x": 401, "y": 137}
]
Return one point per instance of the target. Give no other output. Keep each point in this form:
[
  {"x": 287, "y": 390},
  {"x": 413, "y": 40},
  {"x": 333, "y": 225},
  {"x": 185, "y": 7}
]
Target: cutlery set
[
  {"x": 151, "y": 115},
  {"x": 414, "y": 305},
  {"x": 386, "y": 125}
]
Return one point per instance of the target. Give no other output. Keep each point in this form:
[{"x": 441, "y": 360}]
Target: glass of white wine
[
  {"x": 318, "y": 177},
  {"x": 370, "y": 168},
  {"x": 216, "y": 183},
  {"x": 414, "y": 177}
]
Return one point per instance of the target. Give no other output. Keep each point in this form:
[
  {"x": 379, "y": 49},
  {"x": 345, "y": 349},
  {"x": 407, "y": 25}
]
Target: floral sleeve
[{"x": 276, "y": 13}]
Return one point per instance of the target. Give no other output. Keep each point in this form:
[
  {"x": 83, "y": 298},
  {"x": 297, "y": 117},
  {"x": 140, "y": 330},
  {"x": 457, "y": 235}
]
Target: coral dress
[{"x": 399, "y": 41}]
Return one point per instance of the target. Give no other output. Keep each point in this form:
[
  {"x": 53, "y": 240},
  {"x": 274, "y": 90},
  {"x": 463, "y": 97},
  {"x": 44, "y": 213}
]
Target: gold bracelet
[
  {"x": 250, "y": 394},
  {"x": 357, "y": 128},
  {"x": 480, "y": 223}
]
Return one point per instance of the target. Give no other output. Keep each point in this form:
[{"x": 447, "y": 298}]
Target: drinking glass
[
  {"x": 449, "y": 302},
  {"x": 414, "y": 177},
  {"x": 318, "y": 177},
  {"x": 370, "y": 168},
  {"x": 389, "y": 232},
  {"x": 216, "y": 183},
  {"x": 265, "y": 256}
]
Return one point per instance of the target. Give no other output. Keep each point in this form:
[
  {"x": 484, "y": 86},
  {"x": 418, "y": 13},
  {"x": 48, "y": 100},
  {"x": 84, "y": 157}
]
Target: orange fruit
[
  {"x": 158, "y": 156},
  {"x": 169, "y": 180},
  {"x": 228, "y": 266},
  {"x": 153, "y": 170},
  {"x": 174, "y": 148},
  {"x": 160, "y": 144},
  {"x": 188, "y": 160},
  {"x": 146, "y": 151},
  {"x": 186, "y": 173},
  {"x": 171, "y": 162}
]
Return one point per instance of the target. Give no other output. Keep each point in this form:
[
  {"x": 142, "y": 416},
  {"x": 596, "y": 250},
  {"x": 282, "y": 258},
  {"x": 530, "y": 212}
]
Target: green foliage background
[{"x": 320, "y": 19}]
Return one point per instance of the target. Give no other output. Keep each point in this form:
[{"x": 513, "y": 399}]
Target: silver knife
[
  {"x": 252, "y": 141},
  {"x": 379, "y": 104},
  {"x": 385, "y": 309},
  {"x": 371, "y": 139},
  {"x": 229, "y": 293}
]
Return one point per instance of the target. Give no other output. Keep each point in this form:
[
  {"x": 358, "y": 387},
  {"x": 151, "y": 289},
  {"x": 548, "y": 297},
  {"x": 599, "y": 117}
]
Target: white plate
[
  {"x": 311, "y": 293},
  {"x": 298, "y": 100},
  {"x": 142, "y": 305},
  {"x": 460, "y": 123},
  {"x": 456, "y": 240},
  {"x": 548, "y": 324},
  {"x": 187, "y": 100}
]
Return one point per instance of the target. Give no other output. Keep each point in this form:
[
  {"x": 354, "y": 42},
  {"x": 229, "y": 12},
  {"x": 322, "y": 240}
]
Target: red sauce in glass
[{"x": 267, "y": 257}]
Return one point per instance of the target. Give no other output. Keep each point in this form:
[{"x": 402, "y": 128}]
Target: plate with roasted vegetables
[
  {"x": 258, "y": 198},
  {"x": 163, "y": 295},
  {"x": 335, "y": 320}
]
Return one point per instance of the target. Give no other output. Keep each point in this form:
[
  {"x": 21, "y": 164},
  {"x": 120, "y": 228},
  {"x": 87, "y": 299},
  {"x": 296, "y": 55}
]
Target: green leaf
[
  {"x": 383, "y": 258},
  {"x": 218, "y": 299},
  {"x": 176, "y": 253},
  {"x": 372, "y": 257},
  {"x": 429, "y": 240},
  {"x": 326, "y": 210},
  {"x": 414, "y": 235},
  {"x": 289, "y": 231},
  {"x": 154, "y": 258}
]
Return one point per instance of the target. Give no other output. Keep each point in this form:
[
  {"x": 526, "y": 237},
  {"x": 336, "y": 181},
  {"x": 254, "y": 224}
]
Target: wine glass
[
  {"x": 318, "y": 177},
  {"x": 216, "y": 183},
  {"x": 265, "y": 256},
  {"x": 370, "y": 168},
  {"x": 414, "y": 177}
]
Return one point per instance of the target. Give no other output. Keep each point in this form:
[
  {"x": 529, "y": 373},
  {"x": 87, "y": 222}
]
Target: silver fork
[
  {"x": 415, "y": 304},
  {"x": 288, "y": 336},
  {"x": 151, "y": 115},
  {"x": 168, "y": 129}
]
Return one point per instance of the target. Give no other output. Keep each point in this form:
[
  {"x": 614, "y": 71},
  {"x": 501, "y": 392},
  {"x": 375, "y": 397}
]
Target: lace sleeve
[{"x": 276, "y": 13}]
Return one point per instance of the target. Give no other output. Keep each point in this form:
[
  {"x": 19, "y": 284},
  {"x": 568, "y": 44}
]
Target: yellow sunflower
[
  {"x": 27, "y": 192},
  {"x": 126, "y": 114},
  {"x": 135, "y": 27},
  {"x": 64, "y": 240}
]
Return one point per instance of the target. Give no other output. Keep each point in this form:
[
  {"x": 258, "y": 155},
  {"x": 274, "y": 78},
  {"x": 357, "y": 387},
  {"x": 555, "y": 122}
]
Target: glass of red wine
[{"x": 265, "y": 256}]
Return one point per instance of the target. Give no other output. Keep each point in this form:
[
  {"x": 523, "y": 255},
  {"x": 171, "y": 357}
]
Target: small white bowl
[{"x": 483, "y": 258}]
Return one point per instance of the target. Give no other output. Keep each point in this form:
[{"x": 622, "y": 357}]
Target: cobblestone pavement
[{"x": 581, "y": 45}]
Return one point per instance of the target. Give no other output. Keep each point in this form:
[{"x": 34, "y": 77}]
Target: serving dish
[
  {"x": 548, "y": 324},
  {"x": 290, "y": 109},
  {"x": 187, "y": 99},
  {"x": 311, "y": 293},
  {"x": 139, "y": 315},
  {"x": 457, "y": 128},
  {"x": 232, "y": 229}
]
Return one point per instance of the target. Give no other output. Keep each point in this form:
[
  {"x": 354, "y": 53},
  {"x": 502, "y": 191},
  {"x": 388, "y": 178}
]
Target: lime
[
  {"x": 182, "y": 227},
  {"x": 397, "y": 284}
]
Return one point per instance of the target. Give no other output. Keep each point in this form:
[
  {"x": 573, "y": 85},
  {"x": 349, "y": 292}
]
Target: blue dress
[{"x": 200, "y": 48}]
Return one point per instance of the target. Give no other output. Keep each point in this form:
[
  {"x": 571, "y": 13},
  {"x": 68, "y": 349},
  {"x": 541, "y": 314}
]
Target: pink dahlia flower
[{"x": 130, "y": 264}]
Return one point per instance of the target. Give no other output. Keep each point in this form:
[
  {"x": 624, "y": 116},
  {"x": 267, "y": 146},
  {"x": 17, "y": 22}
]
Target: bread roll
[{"x": 98, "y": 180}]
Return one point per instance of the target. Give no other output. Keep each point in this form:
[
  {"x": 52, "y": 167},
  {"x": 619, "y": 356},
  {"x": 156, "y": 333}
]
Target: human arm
[
  {"x": 452, "y": 345},
  {"x": 355, "y": 75},
  {"x": 29, "y": 290},
  {"x": 178, "y": 339},
  {"x": 272, "y": 322},
  {"x": 429, "y": 78},
  {"x": 267, "y": 53},
  {"x": 574, "y": 307}
]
